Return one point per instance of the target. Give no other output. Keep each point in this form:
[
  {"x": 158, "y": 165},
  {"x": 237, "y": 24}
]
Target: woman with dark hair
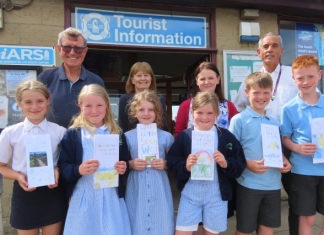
[
  {"x": 140, "y": 77},
  {"x": 207, "y": 79}
]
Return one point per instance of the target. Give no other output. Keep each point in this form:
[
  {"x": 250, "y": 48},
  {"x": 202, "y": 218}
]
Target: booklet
[
  {"x": 148, "y": 148},
  {"x": 40, "y": 169},
  {"x": 271, "y": 146},
  {"x": 202, "y": 145},
  {"x": 106, "y": 151},
  {"x": 317, "y": 128}
]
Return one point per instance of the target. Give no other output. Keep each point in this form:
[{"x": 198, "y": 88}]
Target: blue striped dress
[
  {"x": 95, "y": 211},
  {"x": 201, "y": 201},
  {"x": 148, "y": 194}
]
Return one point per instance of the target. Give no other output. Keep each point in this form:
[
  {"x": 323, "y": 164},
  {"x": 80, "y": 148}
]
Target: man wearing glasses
[{"x": 66, "y": 81}]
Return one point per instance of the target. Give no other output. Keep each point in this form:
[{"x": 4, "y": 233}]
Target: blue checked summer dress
[
  {"x": 95, "y": 211},
  {"x": 148, "y": 194},
  {"x": 199, "y": 193}
]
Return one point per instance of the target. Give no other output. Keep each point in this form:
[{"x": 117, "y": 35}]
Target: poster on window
[
  {"x": 10, "y": 113},
  {"x": 310, "y": 40},
  {"x": 3, "y": 111}
]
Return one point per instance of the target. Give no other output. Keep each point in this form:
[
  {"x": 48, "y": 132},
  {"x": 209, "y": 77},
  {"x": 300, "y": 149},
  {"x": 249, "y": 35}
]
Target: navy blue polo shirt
[{"x": 64, "y": 95}]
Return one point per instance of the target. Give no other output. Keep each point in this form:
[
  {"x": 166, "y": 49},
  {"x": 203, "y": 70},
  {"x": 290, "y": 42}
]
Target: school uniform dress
[
  {"x": 214, "y": 193},
  {"x": 42, "y": 206},
  {"x": 148, "y": 192},
  {"x": 95, "y": 211},
  {"x": 203, "y": 194},
  {"x": 185, "y": 120}
]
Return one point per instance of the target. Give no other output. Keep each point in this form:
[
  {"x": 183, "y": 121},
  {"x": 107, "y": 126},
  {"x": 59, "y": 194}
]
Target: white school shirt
[
  {"x": 287, "y": 89},
  {"x": 12, "y": 142}
]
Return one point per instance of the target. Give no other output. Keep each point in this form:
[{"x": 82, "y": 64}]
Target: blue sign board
[
  {"x": 123, "y": 28},
  {"x": 27, "y": 55},
  {"x": 310, "y": 40}
]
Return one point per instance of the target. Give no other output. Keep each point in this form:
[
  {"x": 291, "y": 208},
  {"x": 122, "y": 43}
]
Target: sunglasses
[{"x": 68, "y": 49}]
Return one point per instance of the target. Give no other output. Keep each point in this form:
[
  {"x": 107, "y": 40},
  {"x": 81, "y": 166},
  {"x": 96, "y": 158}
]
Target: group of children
[
  {"x": 258, "y": 190},
  {"x": 145, "y": 206}
]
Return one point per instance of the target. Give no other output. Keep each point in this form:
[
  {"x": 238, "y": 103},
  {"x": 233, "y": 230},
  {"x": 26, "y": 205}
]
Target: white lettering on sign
[
  {"x": 23, "y": 54},
  {"x": 140, "y": 24},
  {"x": 177, "y": 38},
  {"x": 133, "y": 37},
  {"x": 113, "y": 27}
]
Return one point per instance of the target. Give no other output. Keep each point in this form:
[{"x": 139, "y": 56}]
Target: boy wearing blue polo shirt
[
  {"x": 307, "y": 189},
  {"x": 258, "y": 191}
]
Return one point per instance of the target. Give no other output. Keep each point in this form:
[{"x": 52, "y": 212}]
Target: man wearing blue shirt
[{"x": 66, "y": 81}]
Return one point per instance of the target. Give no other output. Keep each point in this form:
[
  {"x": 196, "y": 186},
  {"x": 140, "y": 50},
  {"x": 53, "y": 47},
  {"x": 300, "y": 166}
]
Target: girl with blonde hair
[{"x": 93, "y": 211}]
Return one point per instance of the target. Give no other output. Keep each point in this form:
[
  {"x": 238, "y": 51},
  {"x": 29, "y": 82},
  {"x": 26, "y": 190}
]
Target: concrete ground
[{"x": 282, "y": 230}]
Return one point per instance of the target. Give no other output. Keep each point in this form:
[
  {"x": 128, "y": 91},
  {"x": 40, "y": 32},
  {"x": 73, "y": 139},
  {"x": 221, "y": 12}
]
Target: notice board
[{"x": 238, "y": 65}]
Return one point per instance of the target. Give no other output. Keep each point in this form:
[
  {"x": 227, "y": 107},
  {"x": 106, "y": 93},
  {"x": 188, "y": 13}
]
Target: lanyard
[{"x": 276, "y": 86}]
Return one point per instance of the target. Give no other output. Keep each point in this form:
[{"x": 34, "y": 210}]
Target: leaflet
[
  {"x": 202, "y": 145},
  {"x": 40, "y": 169},
  {"x": 106, "y": 151},
  {"x": 317, "y": 128},
  {"x": 148, "y": 148},
  {"x": 271, "y": 146}
]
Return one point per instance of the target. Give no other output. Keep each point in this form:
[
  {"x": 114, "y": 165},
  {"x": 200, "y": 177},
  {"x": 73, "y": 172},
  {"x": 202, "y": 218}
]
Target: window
[
  {"x": 300, "y": 38},
  {"x": 10, "y": 77}
]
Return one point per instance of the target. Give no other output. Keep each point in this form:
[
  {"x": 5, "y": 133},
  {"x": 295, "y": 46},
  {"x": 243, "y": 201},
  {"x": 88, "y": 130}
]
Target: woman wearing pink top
[{"x": 207, "y": 79}]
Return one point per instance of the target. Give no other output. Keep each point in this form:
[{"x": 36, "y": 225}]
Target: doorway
[{"x": 173, "y": 71}]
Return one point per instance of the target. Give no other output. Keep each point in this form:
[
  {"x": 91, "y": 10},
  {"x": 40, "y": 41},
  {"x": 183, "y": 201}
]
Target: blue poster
[
  {"x": 124, "y": 28},
  {"x": 310, "y": 40},
  {"x": 27, "y": 55}
]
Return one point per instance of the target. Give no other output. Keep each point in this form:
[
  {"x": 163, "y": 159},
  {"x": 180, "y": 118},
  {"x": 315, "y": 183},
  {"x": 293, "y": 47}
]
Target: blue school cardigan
[
  {"x": 228, "y": 145},
  {"x": 71, "y": 158}
]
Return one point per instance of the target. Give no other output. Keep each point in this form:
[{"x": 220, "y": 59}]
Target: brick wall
[
  {"x": 34, "y": 25},
  {"x": 227, "y": 31}
]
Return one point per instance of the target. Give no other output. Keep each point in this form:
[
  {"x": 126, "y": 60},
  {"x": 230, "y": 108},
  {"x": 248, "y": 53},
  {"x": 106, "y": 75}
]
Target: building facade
[{"x": 174, "y": 55}]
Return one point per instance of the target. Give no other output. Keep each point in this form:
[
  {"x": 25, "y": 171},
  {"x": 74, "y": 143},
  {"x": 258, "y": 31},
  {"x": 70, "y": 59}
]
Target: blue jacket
[
  {"x": 71, "y": 158},
  {"x": 228, "y": 145}
]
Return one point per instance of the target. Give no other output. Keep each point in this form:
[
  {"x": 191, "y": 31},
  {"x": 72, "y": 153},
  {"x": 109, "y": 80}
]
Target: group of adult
[{"x": 66, "y": 81}]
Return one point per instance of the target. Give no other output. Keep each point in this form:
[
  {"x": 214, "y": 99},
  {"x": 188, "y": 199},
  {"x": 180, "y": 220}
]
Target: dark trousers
[{"x": 286, "y": 180}]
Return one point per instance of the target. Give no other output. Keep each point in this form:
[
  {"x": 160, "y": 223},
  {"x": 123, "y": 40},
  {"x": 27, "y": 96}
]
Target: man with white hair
[
  {"x": 284, "y": 89},
  {"x": 66, "y": 81}
]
